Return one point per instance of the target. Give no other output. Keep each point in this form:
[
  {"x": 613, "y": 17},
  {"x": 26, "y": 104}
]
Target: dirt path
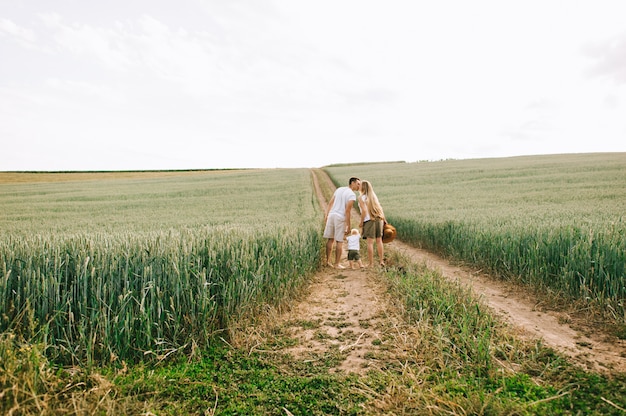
[
  {"x": 341, "y": 319},
  {"x": 345, "y": 315}
]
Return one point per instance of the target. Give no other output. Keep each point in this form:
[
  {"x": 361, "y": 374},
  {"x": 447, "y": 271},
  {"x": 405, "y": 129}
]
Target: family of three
[{"x": 337, "y": 223}]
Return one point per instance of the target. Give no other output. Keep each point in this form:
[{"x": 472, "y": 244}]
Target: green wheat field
[{"x": 104, "y": 270}]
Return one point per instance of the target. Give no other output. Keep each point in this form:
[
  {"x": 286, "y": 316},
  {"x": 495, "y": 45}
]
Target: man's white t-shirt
[{"x": 342, "y": 196}]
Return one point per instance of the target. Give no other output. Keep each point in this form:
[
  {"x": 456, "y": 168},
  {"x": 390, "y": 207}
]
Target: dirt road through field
[{"x": 346, "y": 311}]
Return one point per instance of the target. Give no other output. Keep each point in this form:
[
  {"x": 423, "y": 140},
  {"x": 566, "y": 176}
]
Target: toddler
[{"x": 354, "y": 248}]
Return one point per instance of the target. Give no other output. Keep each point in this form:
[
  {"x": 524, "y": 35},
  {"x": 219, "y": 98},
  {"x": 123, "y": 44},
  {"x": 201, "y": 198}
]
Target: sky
[{"x": 212, "y": 84}]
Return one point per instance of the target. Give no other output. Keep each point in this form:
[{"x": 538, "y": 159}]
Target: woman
[{"x": 372, "y": 221}]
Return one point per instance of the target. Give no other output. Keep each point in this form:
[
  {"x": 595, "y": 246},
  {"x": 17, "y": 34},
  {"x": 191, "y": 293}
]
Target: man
[{"x": 337, "y": 219}]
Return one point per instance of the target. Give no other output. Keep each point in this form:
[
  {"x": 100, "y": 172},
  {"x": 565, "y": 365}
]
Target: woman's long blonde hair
[{"x": 371, "y": 200}]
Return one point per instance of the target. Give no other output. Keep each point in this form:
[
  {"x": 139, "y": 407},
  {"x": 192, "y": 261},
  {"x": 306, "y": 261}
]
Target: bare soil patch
[{"x": 344, "y": 315}]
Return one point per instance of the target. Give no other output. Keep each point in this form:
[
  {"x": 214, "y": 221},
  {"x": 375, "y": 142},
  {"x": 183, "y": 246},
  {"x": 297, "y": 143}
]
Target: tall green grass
[
  {"x": 157, "y": 278},
  {"x": 554, "y": 222}
]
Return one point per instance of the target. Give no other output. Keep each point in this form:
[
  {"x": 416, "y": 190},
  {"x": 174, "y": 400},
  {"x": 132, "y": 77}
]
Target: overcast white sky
[{"x": 192, "y": 84}]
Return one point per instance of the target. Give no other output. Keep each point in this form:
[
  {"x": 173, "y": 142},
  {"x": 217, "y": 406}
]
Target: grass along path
[{"x": 573, "y": 336}]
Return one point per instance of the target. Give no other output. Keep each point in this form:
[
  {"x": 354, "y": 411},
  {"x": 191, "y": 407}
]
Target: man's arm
[{"x": 348, "y": 212}]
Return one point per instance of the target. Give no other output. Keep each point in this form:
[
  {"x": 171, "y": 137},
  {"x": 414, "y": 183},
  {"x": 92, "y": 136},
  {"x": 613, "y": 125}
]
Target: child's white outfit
[
  {"x": 354, "y": 249},
  {"x": 354, "y": 242}
]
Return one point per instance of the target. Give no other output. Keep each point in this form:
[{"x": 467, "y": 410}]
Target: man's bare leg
[
  {"x": 338, "y": 252},
  {"x": 329, "y": 249}
]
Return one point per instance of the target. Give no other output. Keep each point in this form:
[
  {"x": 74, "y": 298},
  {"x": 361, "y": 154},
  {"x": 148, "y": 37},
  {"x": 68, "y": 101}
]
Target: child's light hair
[{"x": 355, "y": 231}]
